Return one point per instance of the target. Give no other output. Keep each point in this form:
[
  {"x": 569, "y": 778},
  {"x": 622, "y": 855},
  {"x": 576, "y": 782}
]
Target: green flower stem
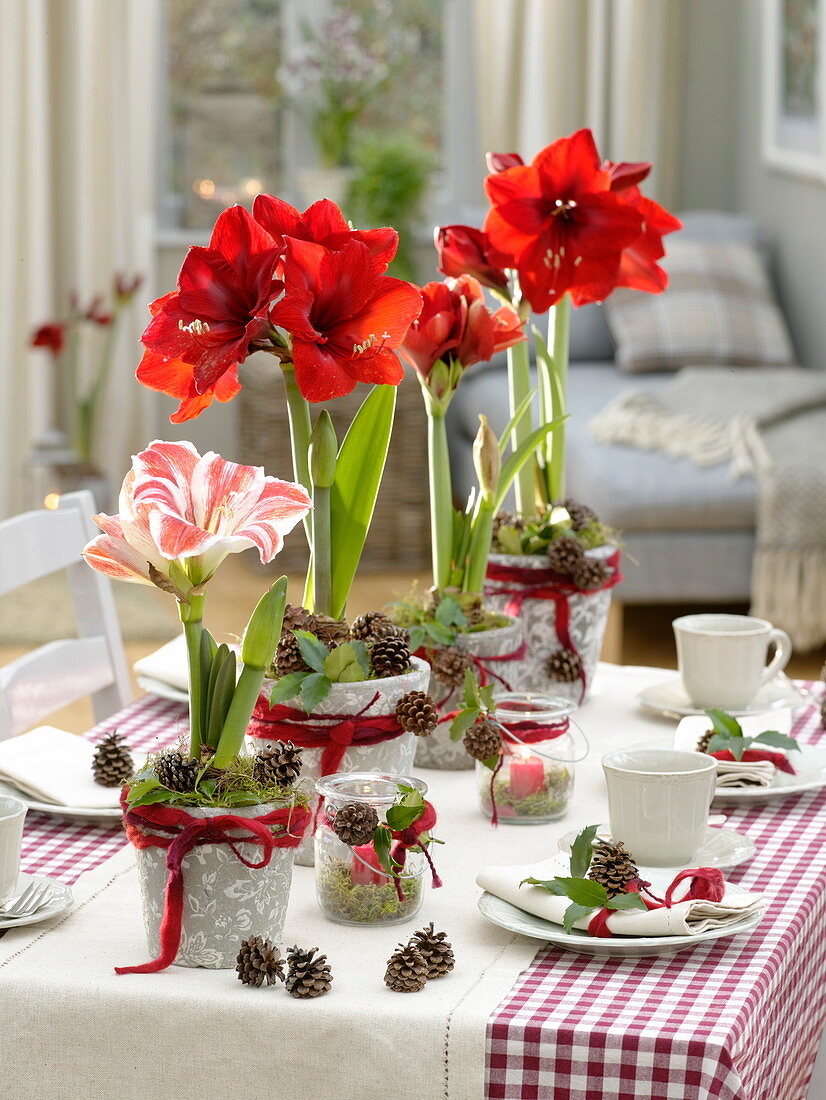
[
  {"x": 519, "y": 386},
  {"x": 238, "y": 717},
  {"x": 559, "y": 319},
  {"x": 301, "y": 428},
  {"x": 192, "y": 616},
  {"x": 73, "y": 373},
  {"x": 92, "y": 401},
  {"x": 441, "y": 495},
  {"x": 322, "y": 553},
  {"x": 480, "y": 539}
]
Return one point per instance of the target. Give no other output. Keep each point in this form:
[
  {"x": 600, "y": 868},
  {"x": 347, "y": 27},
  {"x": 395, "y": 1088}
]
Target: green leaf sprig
[
  {"x": 346, "y": 664},
  {"x": 728, "y": 734},
  {"x": 477, "y": 702},
  {"x": 585, "y": 894},
  {"x": 401, "y": 815}
]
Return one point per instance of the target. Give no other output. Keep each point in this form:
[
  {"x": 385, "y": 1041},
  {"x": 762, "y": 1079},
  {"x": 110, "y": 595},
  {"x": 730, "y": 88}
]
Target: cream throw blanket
[{"x": 768, "y": 423}]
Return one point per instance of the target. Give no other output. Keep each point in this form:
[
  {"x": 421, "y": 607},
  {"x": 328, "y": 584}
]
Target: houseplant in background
[
  {"x": 311, "y": 292},
  {"x": 215, "y": 832},
  {"x": 563, "y": 231}
]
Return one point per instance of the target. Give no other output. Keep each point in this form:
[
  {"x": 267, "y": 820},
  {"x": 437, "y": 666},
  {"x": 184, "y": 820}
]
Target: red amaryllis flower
[
  {"x": 627, "y": 174},
  {"x": 466, "y": 251},
  {"x": 51, "y": 335},
  {"x": 322, "y": 223},
  {"x": 344, "y": 318},
  {"x": 638, "y": 266},
  {"x": 218, "y": 313},
  {"x": 558, "y": 223}
]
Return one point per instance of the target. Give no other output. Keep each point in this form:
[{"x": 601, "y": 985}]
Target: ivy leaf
[
  {"x": 140, "y": 788},
  {"x": 626, "y": 901},
  {"x": 149, "y": 797},
  {"x": 573, "y": 913},
  {"x": 735, "y": 745},
  {"x": 471, "y": 690},
  {"x": 486, "y": 698},
  {"x": 382, "y": 839},
  {"x": 582, "y": 851},
  {"x": 583, "y": 891},
  {"x": 440, "y": 633},
  {"x": 339, "y": 662},
  {"x": 448, "y": 613},
  {"x": 724, "y": 723},
  {"x": 491, "y": 762},
  {"x": 552, "y": 885},
  {"x": 363, "y": 657},
  {"x": 313, "y": 651},
  {"x": 399, "y": 817},
  {"x": 314, "y": 690},
  {"x": 778, "y": 740},
  {"x": 462, "y": 722},
  {"x": 287, "y": 687},
  {"x": 418, "y": 634}
]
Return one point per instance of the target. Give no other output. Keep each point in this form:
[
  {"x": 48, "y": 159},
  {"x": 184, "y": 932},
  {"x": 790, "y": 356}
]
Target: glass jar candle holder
[
  {"x": 533, "y": 782},
  {"x": 351, "y": 885}
]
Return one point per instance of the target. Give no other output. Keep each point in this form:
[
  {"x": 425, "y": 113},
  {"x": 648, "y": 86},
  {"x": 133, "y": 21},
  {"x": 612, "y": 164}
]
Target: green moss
[
  {"x": 363, "y": 903},
  {"x": 550, "y": 801},
  {"x": 536, "y": 535}
]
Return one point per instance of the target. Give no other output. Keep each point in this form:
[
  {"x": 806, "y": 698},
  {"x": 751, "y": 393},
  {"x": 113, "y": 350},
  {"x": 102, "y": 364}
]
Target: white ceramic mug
[
  {"x": 12, "y": 816},
  {"x": 722, "y": 658},
  {"x": 658, "y": 801}
]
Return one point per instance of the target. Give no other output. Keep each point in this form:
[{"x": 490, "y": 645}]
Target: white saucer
[
  {"x": 83, "y": 814},
  {"x": 669, "y": 697},
  {"x": 810, "y": 775},
  {"x": 722, "y": 848},
  {"x": 516, "y": 920},
  {"x": 165, "y": 691},
  {"x": 58, "y": 903}
]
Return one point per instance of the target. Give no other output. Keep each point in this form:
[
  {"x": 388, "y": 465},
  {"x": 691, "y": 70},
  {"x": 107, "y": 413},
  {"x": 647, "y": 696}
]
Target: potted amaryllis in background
[
  {"x": 310, "y": 291},
  {"x": 452, "y": 626},
  {"x": 215, "y": 831},
  {"x": 565, "y": 230}
]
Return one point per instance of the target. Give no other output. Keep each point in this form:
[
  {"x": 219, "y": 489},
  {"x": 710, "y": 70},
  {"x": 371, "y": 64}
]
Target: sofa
[{"x": 688, "y": 532}]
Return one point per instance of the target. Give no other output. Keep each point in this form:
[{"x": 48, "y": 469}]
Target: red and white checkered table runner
[{"x": 739, "y": 1019}]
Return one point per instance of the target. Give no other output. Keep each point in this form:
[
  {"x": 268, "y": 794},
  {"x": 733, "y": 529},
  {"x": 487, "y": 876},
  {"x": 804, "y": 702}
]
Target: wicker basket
[{"x": 399, "y": 537}]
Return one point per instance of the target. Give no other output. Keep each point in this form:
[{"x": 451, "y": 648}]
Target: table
[{"x": 740, "y": 1019}]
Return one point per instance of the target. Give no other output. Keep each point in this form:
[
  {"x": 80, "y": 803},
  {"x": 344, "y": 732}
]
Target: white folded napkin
[
  {"x": 54, "y": 766},
  {"x": 684, "y": 918},
  {"x": 737, "y": 773},
  {"x": 745, "y": 773},
  {"x": 168, "y": 664}
]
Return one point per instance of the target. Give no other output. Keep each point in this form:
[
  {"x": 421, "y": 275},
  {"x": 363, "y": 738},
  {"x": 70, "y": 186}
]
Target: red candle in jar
[
  {"x": 526, "y": 775},
  {"x": 370, "y": 875}
]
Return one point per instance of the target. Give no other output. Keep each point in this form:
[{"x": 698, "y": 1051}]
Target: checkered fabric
[
  {"x": 739, "y": 1019},
  {"x": 63, "y": 848}
]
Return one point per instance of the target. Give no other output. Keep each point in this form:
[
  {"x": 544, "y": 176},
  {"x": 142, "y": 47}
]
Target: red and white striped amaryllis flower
[{"x": 182, "y": 514}]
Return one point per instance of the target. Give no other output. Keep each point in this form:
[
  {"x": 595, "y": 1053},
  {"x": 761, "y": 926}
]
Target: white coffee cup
[
  {"x": 722, "y": 658},
  {"x": 12, "y": 816},
  {"x": 658, "y": 801}
]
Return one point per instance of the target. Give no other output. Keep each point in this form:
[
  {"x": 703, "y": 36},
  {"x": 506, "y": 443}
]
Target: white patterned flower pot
[
  {"x": 588, "y": 616},
  {"x": 393, "y": 756},
  {"x": 224, "y": 901},
  {"x": 437, "y": 750}
]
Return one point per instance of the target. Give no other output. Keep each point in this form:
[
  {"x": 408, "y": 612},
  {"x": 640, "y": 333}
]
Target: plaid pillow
[{"x": 718, "y": 310}]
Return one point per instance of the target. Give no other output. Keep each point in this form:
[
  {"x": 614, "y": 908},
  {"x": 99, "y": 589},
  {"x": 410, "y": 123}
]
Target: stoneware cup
[
  {"x": 658, "y": 801},
  {"x": 12, "y": 816},
  {"x": 722, "y": 658}
]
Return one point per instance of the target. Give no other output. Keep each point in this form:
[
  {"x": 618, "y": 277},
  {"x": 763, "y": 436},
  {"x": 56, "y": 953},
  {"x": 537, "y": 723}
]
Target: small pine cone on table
[
  {"x": 176, "y": 772},
  {"x": 112, "y": 763},
  {"x": 435, "y": 949},
  {"x": 406, "y": 969},
  {"x": 581, "y": 515},
  {"x": 416, "y": 713},
  {"x": 449, "y": 665},
  {"x": 390, "y": 654},
  {"x": 309, "y": 975},
  {"x": 483, "y": 740},
  {"x": 591, "y": 573},
  {"x": 372, "y": 625},
  {"x": 277, "y": 766},
  {"x": 354, "y": 823},
  {"x": 612, "y": 867},
  {"x": 259, "y": 962},
  {"x": 565, "y": 554},
  {"x": 288, "y": 655},
  {"x": 564, "y": 666}
]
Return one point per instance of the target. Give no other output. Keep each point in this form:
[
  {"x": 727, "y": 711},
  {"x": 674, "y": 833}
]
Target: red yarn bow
[
  {"x": 183, "y": 833},
  {"x": 706, "y": 884},
  {"x": 410, "y": 837}
]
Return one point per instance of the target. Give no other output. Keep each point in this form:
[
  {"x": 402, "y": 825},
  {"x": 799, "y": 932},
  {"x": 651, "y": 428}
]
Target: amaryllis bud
[
  {"x": 486, "y": 457},
  {"x": 438, "y": 379},
  {"x": 126, "y": 287},
  {"x": 499, "y": 162},
  {"x": 264, "y": 628},
  {"x": 464, "y": 250},
  {"x": 52, "y": 336},
  {"x": 323, "y": 452}
]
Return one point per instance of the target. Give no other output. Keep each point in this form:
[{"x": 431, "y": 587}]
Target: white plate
[
  {"x": 516, "y": 920},
  {"x": 669, "y": 697},
  {"x": 166, "y": 691},
  {"x": 810, "y": 775},
  {"x": 84, "y": 814},
  {"x": 58, "y": 903},
  {"x": 723, "y": 848}
]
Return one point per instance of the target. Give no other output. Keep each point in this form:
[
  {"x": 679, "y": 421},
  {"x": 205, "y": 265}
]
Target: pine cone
[
  {"x": 507, "y": 519},
  {"x": 390, "y": 654},
  {"x": 416, "y": 713},
  {"x": 565, "y": 554},
  {"x": 406, "y": 970},
  {"x": 288, "y": 655},
  {"x": 591, "y": 573},
  {"x": 176, "y": 772},
  {"x": 372, "y": 625},
  {"x": 702, "y": 744},
  {"x": 112, "y": 763},
  {"x": 259, "y": 962},
  {"x": 330, "y": 631},
  {"x": 613, "y": 867},
  {"x": 309, "y": 974},
  {"x": 449, "y": 665},
  {"x": 354, "y": 823},
  {"x": 277, "y": 766},
  {"x": 436, "y": 951},
  {"x": 564, "y": 666},
  {"x": 581, "y": 515},
  {"x": 483, "y": 740}
]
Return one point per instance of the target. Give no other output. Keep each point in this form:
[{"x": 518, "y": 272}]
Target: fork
[{"x": 29, "y": 901}]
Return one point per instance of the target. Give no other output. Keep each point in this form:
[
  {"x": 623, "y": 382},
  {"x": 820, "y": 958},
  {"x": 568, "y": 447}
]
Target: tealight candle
[
  {"x": 365, "y": 869},
  {"x": 527, "y": 774}
]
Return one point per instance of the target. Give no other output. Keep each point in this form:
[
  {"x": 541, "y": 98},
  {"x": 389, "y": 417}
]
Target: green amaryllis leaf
[
  {"x": 518, "y": 459},
  {"x": 314, "y": 690},
  {"x": 516, "y": 419},
  {"x": 551, "y": 885},
  {"x": 359, "y": 468},
  {"x": 582, "y": 850},
  {"x": 777, "y": 740},
  {"x": 724, "y": 723},
  {"x": 287, "y": 687},
  {"x": 573, "y": 913},
  {"x": 208, "y": 687},
  {"x": 626, "y": 901},
  {"x": 382, "y": 840},
  {"x": 220, "y": 698},
  {"x": 462, "y": 722},
  {"x": 313, "y": 651},
  {"x": 583, "y": 891},
  {"x": 735, "y": 745}
]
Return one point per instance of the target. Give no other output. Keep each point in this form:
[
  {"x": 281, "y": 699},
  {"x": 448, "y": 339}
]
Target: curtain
[
  {"x": 548, "y": 67},
  {"x": 76, "y": 206}
]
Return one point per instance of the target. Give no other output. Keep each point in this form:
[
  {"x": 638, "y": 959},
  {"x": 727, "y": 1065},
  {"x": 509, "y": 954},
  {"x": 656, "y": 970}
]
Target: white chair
[{"x": 33, "y": 545}]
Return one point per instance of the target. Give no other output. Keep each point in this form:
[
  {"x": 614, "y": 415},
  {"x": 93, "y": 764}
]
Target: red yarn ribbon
[
  {"x": 183, "y": 832},
  {"x": 751, "y": 756},
  {"x": 705, "y": 884},
  {"x": 520, "y": 584},
  {"x": 481, "y": 664},
  {"x": 526, "y": 733}
]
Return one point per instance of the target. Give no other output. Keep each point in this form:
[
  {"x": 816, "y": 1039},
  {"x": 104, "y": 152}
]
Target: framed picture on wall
[{"x": 794, "y": 86}]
